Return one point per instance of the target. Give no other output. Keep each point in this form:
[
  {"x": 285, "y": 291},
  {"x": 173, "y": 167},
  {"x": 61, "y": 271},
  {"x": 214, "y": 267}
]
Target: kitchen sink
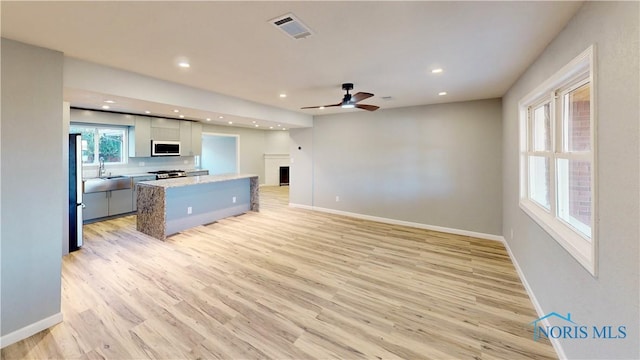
[{"x": 107, "y": 183}]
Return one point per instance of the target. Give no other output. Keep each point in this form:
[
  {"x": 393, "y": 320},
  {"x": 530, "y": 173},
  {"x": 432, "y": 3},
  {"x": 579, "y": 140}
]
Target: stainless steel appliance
[
  {"x": 168, "y": 174},
  {"x": 165, "y": 148},
  {"x": 75, "y": 192}
]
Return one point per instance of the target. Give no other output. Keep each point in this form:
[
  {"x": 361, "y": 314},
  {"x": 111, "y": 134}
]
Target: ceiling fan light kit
[{"x": 350, "y": 101}]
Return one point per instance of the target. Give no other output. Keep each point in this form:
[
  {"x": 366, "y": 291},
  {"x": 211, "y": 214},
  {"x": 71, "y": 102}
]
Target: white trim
[
  {"x": 557, "y": 346},
  {"x": 30, "y": 330},
  {"x": 403, "y": 223},
  {"x": 578, "y": 72},
  {"x": 300, "y": 206}
]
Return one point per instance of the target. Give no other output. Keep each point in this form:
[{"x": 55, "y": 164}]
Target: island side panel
[
  {"x": 254, "y": 188},
  {"x": 151, "y": 219},
  {"x": 198, "y": 204}
]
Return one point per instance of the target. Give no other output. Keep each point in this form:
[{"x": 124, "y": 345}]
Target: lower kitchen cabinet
[
  {"x": 106, "y": 203},
  {"x": 120, "y": 201},
  {"x": 96, "y": 205}
]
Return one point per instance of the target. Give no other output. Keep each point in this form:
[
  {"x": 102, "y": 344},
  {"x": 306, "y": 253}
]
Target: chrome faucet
[{"x": 101, "y": 170}]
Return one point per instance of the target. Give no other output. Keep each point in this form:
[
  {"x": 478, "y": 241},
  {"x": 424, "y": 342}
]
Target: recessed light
[
  {"x": 283, "y": 95},
  {"x": 284, "y": 129},
  {"x": 270, "y": 127},
  {"x": 105, "y": 106},
  {"x": 436, "y": 71},
  {"x": 442, "y": 93},
  {"x": 110, "y": 101},
  {"x": 220, "y": 117},
  {"x": 230, "y": 122},
  {"x": 257, "y": 125},
  {"x": 147, "y": 112},
  {"x": 184, "y": 64},
  {"x": 278, "y": 125},
  {"x": 208, "y": 119},
  {"x": 253, "y": 122},
  {"x": 321, "y": 107},
  {"x": 181, "y": 116},
  {"x": 176, "y": 110}
]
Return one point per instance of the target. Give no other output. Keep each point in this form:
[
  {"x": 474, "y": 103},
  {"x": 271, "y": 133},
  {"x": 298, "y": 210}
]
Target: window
[
  {"x": 106, "y": 142},
  {"x": 557, "y": 138}
]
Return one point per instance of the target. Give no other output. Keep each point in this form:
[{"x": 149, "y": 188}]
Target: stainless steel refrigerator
[{"x": 75, "y": 192}]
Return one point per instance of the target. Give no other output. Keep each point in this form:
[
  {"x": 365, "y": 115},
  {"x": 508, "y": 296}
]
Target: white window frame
[
  {"x": 125, "y": 141},
  {"x": 577, "y": 73}
]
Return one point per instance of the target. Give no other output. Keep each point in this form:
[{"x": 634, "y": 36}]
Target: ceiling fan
[{"x": 350, "y": 101}]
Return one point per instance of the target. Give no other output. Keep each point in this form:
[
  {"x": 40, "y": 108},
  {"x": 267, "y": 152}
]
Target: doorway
[{"x": 220, "y": 153}]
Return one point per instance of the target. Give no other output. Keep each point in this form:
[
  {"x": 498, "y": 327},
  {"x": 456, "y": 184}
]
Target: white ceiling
[{"x": 386, "y": 48}]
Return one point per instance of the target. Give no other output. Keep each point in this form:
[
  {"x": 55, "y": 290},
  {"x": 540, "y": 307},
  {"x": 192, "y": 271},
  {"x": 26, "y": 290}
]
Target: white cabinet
[
  {"x": 106, "y": 203},
  {"x": 190, "y": 138},
  {"x": 165, "y": 129},
  {"x": 196, "y": 139},
  {"x": 140, "y": 137},
  {"x": 185, "y": 138}
]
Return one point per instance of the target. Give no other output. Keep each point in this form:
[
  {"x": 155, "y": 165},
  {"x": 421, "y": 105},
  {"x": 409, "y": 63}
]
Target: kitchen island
[{"x": 166, "y": 207}]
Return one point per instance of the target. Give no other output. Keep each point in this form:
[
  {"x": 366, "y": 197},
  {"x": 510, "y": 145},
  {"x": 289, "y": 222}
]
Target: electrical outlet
[
  {"x": 233, "y": 199},
  {"x": 189, "y": 210},
  {"x": 337, "y": 198}
]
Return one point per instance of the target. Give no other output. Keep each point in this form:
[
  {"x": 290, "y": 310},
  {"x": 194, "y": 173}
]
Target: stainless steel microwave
[{"x": 165, "y": 148}]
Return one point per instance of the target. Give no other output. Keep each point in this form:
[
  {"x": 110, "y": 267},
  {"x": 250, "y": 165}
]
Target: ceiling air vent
[{"x": 292, "y": 26}]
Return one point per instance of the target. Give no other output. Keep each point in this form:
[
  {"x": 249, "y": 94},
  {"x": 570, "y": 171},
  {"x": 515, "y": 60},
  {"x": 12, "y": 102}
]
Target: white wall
[
  {"x": 559, "y": 283},
  {"x": 436, "y": 165},
  {"x": 277, "y": 142},
  {"x": 79, "y": 74},
  {"x": 301, "y": 167},
  {"x": 33, "y": 189}
]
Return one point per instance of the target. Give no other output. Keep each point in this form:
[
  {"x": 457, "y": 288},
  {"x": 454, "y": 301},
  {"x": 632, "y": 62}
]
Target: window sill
[{"x": 582, "y": 249}]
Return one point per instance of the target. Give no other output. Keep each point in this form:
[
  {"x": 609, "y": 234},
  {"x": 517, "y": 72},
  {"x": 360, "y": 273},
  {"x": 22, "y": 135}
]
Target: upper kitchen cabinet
[
  {"x": 190, "y": 138},
  {"x": 101, "y": 117},
  {"x": 165, "y": 129},
  {"x": 196, "y": 138},
  {"x": 140, "y": 137}
]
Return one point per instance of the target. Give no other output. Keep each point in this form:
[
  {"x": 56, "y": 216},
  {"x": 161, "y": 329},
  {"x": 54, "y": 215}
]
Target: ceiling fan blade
[
  {"x": 367, "y": 107},
  {"x": 361, "y": 96},
  {"x": 321, "y": 106}
]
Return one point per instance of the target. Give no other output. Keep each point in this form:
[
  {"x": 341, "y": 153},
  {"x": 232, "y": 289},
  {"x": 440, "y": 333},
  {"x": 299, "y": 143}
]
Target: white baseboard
[
  {"x": 403, "y": 223},
  {"x": 299, "y": 206},
  {"x": 554, "y": 342},
  {"x": 29, "y": 330}
]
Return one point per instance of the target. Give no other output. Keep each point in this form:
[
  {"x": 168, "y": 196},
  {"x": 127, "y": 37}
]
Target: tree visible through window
[{"x": 109, "y": 145}]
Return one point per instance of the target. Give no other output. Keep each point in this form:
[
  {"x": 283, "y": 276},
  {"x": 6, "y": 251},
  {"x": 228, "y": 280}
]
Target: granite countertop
[{"x": 194, "y": 180}]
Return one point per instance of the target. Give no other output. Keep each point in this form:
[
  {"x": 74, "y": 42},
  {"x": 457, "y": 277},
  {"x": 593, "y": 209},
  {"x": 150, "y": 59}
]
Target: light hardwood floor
[{"x": 288, "y": 283}]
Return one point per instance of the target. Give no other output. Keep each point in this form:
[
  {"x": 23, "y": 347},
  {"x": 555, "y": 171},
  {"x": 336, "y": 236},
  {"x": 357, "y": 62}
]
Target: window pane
[
  {"x": 541, "y": 128},
  {"x": 577, "y": 119},
  {"x": 574, "y": 194},
  {"x": 111, "y": 145},
  {"x": 88, "y": 142},
  {"x": 539, "y": 180}
]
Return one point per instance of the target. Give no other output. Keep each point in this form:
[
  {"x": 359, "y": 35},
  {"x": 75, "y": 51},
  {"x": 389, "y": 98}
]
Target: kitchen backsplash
[{"x": 144, "y": 165}]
